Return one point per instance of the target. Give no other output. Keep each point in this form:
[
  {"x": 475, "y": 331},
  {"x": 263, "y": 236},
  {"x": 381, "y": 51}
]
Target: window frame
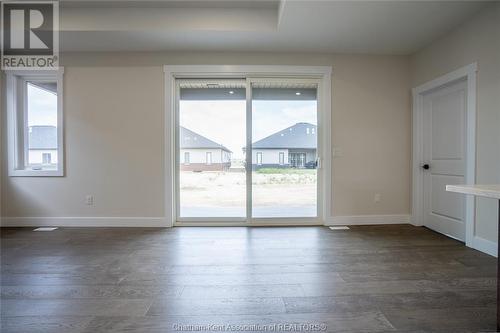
[
  {"x": 17, "y": 132},
  {"x": 319, "y": 74}
]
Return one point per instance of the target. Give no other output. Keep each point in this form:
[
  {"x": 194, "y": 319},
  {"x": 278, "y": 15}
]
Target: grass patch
[{"x": 286, "y": 171}]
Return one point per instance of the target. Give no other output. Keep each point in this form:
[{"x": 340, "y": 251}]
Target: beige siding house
[
  {"x": 198, "y": 153},
  {"x": 293, "y": 147}
]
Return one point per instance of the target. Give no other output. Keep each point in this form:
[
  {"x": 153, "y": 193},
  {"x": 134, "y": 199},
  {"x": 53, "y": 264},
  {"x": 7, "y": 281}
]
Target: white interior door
[{"x": 445, "y": 158}]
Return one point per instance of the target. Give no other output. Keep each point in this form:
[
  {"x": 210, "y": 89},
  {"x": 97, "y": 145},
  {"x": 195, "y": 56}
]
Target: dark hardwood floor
[{"x": 367, "y": 279}]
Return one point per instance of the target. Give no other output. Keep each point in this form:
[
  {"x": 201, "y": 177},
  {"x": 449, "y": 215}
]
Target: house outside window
[
  {"x": 193, "y": 153},
  {"x": 46, "y": 158},
  {"x": 293, "y": 147}
]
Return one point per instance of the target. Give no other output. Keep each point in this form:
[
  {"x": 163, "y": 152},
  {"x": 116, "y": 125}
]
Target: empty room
[{"x": 249, "y": 166}]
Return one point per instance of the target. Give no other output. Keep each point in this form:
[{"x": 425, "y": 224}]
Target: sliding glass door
[
  {"x": 211, "y": 135},
  {"x": 247, "y": 150}
]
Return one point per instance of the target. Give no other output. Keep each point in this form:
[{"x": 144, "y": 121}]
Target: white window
[
  {"x": 259, "y": 158},
  {"x": 209, "y": 157},
  {"x": 34, "y": 123},
  {"x": 186, "y": 157},
  {"x": 282, "y": 158}
]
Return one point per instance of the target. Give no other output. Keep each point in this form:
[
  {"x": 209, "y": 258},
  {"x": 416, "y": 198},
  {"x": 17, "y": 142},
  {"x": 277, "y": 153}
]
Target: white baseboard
[
  {"x": 162, "y": 222},
  {"x": 484, "y": 245},
  {"x": 84, "y": 222},
  {"x": 368, "y": 219}
]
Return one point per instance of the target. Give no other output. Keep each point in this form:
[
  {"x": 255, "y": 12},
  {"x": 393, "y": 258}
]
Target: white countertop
[{"x": 489, "y": 191}]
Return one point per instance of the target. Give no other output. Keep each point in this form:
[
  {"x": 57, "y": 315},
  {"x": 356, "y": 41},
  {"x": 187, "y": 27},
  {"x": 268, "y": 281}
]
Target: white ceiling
[{"x": 372, "y": 27}]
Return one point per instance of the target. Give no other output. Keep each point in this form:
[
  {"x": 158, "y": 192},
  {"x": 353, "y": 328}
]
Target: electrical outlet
[
  {"x": 377, "y": 197},
  {"x": 89, "y": 200}
]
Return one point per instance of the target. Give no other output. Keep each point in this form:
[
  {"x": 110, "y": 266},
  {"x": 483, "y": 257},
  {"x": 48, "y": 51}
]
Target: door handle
[{"x": 426, "y": 166}]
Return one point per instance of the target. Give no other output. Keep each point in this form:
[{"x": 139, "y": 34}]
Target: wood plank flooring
[{"x": 395, "y": 278}]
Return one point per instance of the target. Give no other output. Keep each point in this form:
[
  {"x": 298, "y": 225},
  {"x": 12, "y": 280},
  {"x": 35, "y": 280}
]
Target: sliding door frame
[{"x": 318, "y": 74}]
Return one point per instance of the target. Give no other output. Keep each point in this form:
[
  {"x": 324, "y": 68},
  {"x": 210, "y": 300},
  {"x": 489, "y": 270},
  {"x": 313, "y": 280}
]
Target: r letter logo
[{"x": 30, "y": 35}]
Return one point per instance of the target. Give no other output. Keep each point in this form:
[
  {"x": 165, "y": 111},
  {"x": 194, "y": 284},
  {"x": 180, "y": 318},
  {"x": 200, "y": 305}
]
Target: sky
[
  {"x": 224, "y": 121},
  {"x": 42, "y": 107}
]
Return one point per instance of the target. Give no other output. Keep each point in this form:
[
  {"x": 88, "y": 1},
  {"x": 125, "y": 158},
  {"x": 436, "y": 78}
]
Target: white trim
[
  {"x": 143, "y": 222},
  {"x": 248, "y": 149},
  {"x": 256, "y": 222},
  {"x": 368, "y": 220},
  {"x": 321, "y": 73},
  {"x": 484, "y": 245},
  {"x": 469, "y": 73},
  {"x": 457, "y": 74},
  {"x": 239, "y": 71},
  {"x": 13, "y": 100}
]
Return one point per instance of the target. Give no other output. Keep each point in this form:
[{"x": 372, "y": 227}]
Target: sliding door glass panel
[
  {"x": 211, "y": 141},
  {"x": 284, "y": 150}
]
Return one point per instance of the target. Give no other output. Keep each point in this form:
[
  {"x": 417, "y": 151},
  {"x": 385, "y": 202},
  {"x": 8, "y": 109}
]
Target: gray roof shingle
[
  {"x": 190, "y": 139},
  {"x": 298, "y": 136}
]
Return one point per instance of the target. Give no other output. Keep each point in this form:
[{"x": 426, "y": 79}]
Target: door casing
[
  {"x": 469, "y": 74},
  {"x": 319, "y": 74}
]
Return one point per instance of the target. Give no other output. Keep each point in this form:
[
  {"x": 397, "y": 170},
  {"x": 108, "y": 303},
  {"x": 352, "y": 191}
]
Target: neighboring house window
[
  {"x": 312, "y": 130},
  {"x": 282, "y": 158},
  {"x": 259, "y": 158},
  {"x": 35, "y": 120},
  {"x": 209, "y": 157},
  {"x": 307, "y": 130},
  {"x": 186, "y": 158},
  {"x": 46, "y": 158}
]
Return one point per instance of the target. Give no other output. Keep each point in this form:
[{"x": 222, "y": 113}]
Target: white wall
[
  {"x": 477, "y": 40},
  {"x": 114, "y": 116},
  {"x": 114, "y": 149},
  {"x": 2, "y": 139},
  {"x": 371, "y": 135}
]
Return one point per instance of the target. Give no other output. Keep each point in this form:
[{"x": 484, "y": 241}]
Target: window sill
[{"x": 36, "y": 173}]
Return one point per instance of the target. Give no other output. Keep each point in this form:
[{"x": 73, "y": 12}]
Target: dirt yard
[{"x": 274, "y": 190}]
